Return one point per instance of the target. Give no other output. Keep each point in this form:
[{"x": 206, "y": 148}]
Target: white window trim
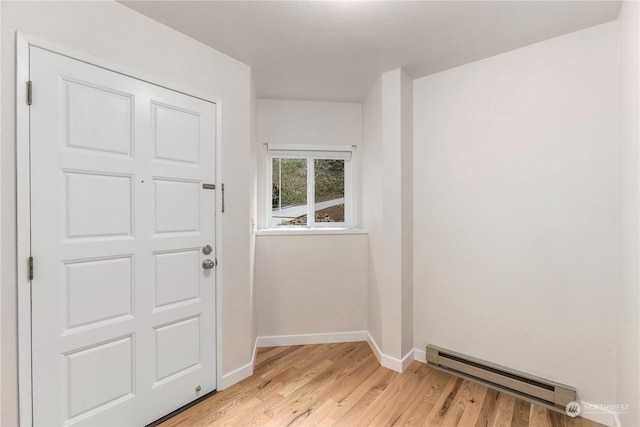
[{"x": 310, "y": 153}]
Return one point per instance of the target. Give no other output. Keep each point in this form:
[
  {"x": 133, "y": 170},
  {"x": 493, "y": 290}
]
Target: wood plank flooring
[{"x": 343, "y": 385}]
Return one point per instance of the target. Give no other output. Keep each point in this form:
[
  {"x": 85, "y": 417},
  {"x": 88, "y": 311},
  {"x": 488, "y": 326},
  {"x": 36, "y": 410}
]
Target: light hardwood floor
[{"x": 343, "y": 385}]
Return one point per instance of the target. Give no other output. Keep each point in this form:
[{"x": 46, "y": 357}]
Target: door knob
[{"x": 207, "y": 264}]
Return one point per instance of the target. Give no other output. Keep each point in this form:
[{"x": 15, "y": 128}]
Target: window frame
[{"x": 311, "y": 153}]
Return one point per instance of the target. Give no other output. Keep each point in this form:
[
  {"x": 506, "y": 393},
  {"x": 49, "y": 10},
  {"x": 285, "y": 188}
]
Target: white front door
[{"x": 123, "y": 310}]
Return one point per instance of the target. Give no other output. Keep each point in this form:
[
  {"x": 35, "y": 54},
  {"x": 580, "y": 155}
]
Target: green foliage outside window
[{"x": 290, "y": 180}]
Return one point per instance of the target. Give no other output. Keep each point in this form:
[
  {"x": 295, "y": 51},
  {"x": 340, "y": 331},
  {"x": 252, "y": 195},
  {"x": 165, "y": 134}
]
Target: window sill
[{"x": 309, "y": 231}]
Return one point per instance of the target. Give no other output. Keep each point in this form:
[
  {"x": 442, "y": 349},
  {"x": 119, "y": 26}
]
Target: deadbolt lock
[{"x": 207, "y": 249}]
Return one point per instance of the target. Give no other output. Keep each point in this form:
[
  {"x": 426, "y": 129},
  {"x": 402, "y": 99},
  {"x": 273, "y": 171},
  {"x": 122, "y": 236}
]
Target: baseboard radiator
[{"x": 524, "y": 386}]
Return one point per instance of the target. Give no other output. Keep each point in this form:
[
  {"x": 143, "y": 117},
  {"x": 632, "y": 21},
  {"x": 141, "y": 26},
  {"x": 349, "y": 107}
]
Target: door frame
[{"x": 23, "y": 196}]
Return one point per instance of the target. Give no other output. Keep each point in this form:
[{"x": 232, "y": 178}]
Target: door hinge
[
  {"x": 30, "y": 268},
  {"x": 222, "y": 188},
  {"x": 29, "y": 93}
]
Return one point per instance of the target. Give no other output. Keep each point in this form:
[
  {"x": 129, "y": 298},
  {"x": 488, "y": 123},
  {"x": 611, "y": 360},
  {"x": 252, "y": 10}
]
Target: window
[{"x": 310, "y": 186}]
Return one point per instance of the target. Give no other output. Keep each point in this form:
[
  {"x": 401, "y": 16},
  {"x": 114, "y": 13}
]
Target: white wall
[
  {"x": 308, "y": 122},
  {"x": 387, "y": 214},
  {"x": 628, "y": 387},
  {"x": 114, "y": 33},
  {"x": 1, "y": 319},
  {"x": 253, "y": 206},
  {"x": 389, "y": 247},
  {"x": 515, "y": 183},
  {"x": 310, "y": 283},
  {"x": 406, "y": 213},
  {"x": 2, "y": 399},
  {"x": 372, "y": 204}
]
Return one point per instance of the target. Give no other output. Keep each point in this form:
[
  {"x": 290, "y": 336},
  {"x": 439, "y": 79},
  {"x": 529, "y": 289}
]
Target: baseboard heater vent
[{"x": 524, "y": 386}]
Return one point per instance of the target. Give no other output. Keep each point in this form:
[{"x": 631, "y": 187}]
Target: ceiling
[{"x": 336, "y": 50}]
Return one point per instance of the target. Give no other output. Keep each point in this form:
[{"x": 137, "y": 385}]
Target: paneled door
[{"x": 123, "y": 293}]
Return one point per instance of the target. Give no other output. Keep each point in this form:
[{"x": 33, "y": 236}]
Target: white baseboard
[
  {"x": 420, "y": 355},
  {"x": 388, "y": 361},
  {"x": 374, "y": 347},
  {"x": 305, "y": 339},
  {"x": 616, "y": 421},
  {"x": 407, "y": 359},
  {"x": 241, "y": 373}
]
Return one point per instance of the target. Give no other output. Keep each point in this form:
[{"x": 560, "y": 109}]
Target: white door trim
[
  {"x": 23, "y": 177},
  {"x": 23, "y": 43}
]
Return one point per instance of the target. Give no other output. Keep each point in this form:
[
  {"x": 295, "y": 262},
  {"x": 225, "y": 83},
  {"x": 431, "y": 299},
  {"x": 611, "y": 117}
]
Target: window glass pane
[
  {"x": 329, "y": 189},
  {"x": 289, "y": 192}
]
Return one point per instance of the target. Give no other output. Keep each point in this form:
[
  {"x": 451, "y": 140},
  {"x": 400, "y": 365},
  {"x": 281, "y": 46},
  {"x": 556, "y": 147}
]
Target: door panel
[
  {"x": 171, "y": 126},
  {"x": 109, "y": 364},
  {"x": 123, "y": 313},
  {"x": 97, "y": 291},
  {"x": 99, "y": 119},
  {"x": 97, "y": 205},
  {"x": 176, "y": 280},
  {"x": 169, "y": 194}
]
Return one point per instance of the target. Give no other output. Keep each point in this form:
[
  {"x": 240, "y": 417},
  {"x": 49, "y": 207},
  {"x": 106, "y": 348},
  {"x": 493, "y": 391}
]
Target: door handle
[{"x": 208, "y": 264}]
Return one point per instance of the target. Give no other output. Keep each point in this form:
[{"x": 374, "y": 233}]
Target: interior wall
[
  {"x": 253, "y": 203},
  {"x": 308, "y": 283},
  {"x": 114, "y": 33},
  {"x": 628, "y": 387},
  {"x": 311, "y": 285},
  {"x": 406, "y": 170},
  {"x": 390, "y": 230},
  {"x": 372, "y": 207},
  {"x": 1, "y": 319},
  {"x": 387, "y": 214},
  {"x": 515, "y": 184}
]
